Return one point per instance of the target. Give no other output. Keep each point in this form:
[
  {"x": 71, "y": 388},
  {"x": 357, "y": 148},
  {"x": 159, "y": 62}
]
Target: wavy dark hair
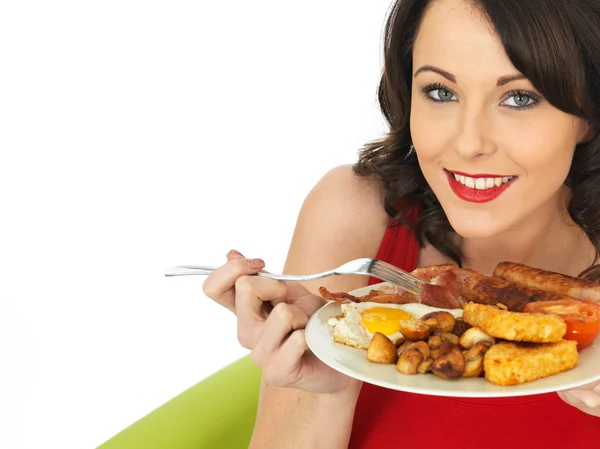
[{"x": 554, "y": 43}]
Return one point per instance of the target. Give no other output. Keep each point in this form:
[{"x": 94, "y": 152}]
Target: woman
[{"x": 492, "y": 154}]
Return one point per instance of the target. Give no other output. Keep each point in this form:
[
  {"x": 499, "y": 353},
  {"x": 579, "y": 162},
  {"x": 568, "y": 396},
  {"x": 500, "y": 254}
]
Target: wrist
[{"x": 325, "y": 403}]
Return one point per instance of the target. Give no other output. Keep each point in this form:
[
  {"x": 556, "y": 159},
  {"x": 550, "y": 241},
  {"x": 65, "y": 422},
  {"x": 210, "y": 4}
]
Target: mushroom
[
  {"x": 449, "y": 366},
  {"x": 402, "y": 347},
  {"x": 460, "y": 327},
  {"x": 473, "y": 336},
  {"x": 425, "y": 366},
  {"x": 414, "y": 329},
  {"x": 439, "y": 320},
  {"x": 449, "y": 337},
  {"x": 474, "y": 360},
  {"x": 409, "y": 361},
  {"x": 381, "y": 349},
  {"x": 421, "y": 346},
  {"x": 439, "y": 346}
]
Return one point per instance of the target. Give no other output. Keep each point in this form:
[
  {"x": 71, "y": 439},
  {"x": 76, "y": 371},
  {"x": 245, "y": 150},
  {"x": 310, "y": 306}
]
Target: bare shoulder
[
  {"x": 342, "y": 218},
  {"x": 355, "y": 194}
]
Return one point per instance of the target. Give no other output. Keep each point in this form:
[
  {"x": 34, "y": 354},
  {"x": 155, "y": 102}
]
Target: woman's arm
[
  {"x": 341, "y": 219},
  {"x": 318, "y": 421}
]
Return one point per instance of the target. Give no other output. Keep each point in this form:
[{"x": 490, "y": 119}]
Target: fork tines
[{"x": 394, "y": 274}]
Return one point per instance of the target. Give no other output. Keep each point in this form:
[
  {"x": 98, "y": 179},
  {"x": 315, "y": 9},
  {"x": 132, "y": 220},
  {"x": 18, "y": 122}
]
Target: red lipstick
[{"x": 475, "y": 195}]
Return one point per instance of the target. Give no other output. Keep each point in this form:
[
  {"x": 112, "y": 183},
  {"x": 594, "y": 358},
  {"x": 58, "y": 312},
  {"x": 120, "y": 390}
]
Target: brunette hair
[{"x": 554, "y": 43}]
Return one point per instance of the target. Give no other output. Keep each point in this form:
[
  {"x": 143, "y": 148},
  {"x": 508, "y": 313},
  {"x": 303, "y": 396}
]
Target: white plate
[{"x": 353, "y": 362}]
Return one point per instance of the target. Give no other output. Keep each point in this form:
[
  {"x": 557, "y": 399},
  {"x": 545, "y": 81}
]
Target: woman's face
[{"x": 495, "y": 153}]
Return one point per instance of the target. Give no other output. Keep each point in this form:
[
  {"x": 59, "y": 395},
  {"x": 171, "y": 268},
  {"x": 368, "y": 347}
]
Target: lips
[{"x": 480, "y": 188}]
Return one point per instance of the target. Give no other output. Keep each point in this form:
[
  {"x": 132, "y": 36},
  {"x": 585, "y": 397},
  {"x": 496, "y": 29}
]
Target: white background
[{"x": 139, "y": 135}]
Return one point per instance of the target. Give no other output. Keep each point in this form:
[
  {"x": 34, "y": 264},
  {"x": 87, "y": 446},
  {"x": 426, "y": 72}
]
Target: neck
[{"x": 549, "y": 240}]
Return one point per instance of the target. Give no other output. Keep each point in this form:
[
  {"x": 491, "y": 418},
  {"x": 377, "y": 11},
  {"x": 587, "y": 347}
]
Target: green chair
[{"x": 216, "y": 413}]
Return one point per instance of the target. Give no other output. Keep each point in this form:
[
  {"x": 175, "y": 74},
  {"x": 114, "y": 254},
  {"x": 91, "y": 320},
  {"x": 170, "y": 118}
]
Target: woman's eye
[
  {"x": 519, "y": 100},
  {"x": 441, "y": 95}
]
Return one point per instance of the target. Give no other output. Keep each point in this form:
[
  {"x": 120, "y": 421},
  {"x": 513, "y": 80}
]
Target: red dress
[{"x": 394, "y": 419}]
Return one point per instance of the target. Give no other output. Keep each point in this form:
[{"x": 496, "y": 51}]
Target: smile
[{"x": 478, "y": 188}]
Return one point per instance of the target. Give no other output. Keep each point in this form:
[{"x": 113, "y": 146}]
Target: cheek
[
  {"x": 542, "y": 147},
  {"x": 430, "y": 131}
]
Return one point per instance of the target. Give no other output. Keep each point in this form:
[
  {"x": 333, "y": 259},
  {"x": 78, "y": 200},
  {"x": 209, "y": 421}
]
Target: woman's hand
[
  {"x": 271, "y": 318},
  {"x": 586, "y": 398}
]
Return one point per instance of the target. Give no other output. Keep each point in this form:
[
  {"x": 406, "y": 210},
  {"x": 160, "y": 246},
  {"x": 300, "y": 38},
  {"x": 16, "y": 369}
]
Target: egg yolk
[{"x": 384, "y": 319}]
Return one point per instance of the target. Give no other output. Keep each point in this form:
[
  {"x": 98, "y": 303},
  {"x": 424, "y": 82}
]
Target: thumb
[{"x": 234, "y": 254}]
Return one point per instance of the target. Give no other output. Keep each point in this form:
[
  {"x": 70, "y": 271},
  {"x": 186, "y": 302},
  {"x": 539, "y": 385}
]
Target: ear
[{"x": 587, "y": 132}]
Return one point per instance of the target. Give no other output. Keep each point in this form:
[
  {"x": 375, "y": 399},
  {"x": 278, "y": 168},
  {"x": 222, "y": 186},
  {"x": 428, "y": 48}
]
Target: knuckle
[
  {"x": 244, "y": 285},
  {"x": 245, "y": 339},
  {"x": 283, "y": 312},
  {"x": 257, "y": 358},
  {"x": 297, "y": 338},
  {"x": 209, "y": 289}
]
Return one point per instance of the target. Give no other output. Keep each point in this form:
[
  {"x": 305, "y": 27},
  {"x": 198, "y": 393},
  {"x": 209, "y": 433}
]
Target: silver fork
[{"x": 368, "y": 267}]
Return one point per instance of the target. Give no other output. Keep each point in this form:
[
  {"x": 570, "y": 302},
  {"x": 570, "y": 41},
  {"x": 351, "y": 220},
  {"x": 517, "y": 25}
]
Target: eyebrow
[{"x": 450, "y": 77}]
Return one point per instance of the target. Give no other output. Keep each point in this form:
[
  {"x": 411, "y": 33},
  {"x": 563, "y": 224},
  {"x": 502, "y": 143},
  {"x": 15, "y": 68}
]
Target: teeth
[{"x": 482, "y": 183}]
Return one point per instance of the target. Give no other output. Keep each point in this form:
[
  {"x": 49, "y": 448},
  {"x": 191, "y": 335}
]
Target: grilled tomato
[{"x": 582, "y": 318}]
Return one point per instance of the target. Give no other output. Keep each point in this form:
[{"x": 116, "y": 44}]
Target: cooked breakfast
[{"x": 514, "y": 327}]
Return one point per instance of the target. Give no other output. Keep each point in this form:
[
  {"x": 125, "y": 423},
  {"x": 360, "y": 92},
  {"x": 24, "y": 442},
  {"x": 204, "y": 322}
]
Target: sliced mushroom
[
  {"x": 474, "y": 360},
  {"x": 449, "y": 337},
  {"x": 400, "y": 342},
  {"x": 439, "y": 346},
  {"x": 424, "y": 366},
  {"x": 381, "y": 349},
  {"x": 449, "y": 366},
  {"x": 460, "y": 327},
  {"x": 439, "y": 320},
  {"x": 473, "y": 336},
  {"x": 414, "y": 329},
  {"x": 409, "y": 361},
  {"x": 422, "y": 347},
  {"x": 402, "y": 347}
]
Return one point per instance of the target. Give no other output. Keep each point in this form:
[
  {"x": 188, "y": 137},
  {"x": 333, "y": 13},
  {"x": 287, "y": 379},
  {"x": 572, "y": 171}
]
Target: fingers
[
  {"x": 219, "y": 286},
  {"x": 586, "y": 395},
  {"x": 252, "y": 294},
  {"x": 281, "y": 345},
  {"x": 277, "y": 331},
  {"x": 293, "y": 349},
  {"x": 234, "y": 254}
]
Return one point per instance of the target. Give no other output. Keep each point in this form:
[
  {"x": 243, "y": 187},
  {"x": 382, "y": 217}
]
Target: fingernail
[{"x": 256, "y": 264}]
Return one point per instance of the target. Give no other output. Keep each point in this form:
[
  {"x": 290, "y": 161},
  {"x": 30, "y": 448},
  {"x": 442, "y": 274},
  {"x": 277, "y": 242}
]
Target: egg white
[{"x": 349, "y": 329}]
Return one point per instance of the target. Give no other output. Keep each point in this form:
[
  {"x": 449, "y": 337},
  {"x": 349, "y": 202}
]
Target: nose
[{"x": 474, "y": 133}]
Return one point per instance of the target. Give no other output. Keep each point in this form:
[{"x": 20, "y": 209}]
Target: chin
[{"x": 476, "y": 226}]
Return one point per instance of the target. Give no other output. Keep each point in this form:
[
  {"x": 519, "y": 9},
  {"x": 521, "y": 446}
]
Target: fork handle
[
  {"x": 190, "y": 270},
  {"x": 202, "y": 270},
  {"x": 186, "y": 270}
]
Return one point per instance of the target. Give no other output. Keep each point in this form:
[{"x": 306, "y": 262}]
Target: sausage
[
  {"x": 557, "y": 283},
  {"x": 492, "y": 290}
]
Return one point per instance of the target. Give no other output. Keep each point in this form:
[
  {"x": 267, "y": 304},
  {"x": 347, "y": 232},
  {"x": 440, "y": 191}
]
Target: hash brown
[
  {"x": 515, "y": 326},
  {"x": 517, "y": 363}
]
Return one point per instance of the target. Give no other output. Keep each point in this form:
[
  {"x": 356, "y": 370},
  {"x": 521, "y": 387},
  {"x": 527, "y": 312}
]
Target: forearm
[{"x": 317, "y": 421}]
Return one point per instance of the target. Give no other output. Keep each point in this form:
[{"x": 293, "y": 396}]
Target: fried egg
[{"x": 359, "y": 321}]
